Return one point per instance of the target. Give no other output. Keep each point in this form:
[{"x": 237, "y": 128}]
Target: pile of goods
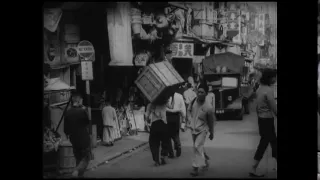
[
  {"x": 222, "y": 69},
  {"x": 51, "y": 140}
]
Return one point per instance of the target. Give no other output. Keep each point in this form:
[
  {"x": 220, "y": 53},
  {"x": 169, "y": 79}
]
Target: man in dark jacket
[{"x": 76, "y": 127}]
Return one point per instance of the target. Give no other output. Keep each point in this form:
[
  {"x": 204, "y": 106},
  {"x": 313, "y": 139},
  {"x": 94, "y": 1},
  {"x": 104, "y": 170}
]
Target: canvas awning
[
  {"x": 56, "y": 84},
  {"x": 233, "y": 61}
]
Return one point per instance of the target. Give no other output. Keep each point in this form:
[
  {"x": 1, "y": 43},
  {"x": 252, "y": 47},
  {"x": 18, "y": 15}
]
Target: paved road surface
[{"x": 231, "y": 154}]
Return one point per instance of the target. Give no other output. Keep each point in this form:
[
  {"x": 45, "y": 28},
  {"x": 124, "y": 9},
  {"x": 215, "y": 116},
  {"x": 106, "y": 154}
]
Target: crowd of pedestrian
[
  {"x": 198, "y": 112},
  {"x": 195, "y": 107}
]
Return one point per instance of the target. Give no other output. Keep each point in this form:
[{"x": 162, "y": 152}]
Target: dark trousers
[
  {"x": 268, "y": 135},
  {"x": 245, "y": 102},
  {"x": 173, "y": 120},
  {"x": 82, "y": 159},
  {"x": 158, "y": 135}
]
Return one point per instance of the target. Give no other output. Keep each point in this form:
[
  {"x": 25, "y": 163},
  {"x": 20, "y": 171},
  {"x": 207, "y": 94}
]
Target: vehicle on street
[{"x": 223, "y": 73}]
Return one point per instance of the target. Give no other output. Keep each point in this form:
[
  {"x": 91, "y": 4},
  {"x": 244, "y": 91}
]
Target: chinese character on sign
[
  {"x": 182, "y": 50},
  {"x": 187, "y": 50},
  {"x": 86, "y": 70},
  {"x": 174, "y": 49}
]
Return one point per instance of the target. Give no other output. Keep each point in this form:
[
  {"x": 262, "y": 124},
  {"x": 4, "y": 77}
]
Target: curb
[{"x": 117, "y": 155}]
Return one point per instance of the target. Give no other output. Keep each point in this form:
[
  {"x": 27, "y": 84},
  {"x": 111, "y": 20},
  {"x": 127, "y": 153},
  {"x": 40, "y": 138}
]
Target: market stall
[{"x": 56, "y": 97}]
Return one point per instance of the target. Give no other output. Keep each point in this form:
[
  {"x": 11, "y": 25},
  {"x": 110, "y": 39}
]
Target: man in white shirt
[
  {"x": 176, "y": 113},
  {"x": 211, "y": 98},
  {"x": 189, "y": 94}
]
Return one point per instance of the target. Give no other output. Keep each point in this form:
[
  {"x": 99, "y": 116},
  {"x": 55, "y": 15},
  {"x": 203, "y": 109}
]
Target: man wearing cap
[{"x": 201, "y": 118}]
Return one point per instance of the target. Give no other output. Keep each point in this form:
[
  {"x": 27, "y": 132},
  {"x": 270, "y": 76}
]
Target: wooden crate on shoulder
[{"x": 157, "y": 80}]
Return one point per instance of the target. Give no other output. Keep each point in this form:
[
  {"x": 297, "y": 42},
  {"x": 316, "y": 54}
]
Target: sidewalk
[{"x": 102, "y": 154}]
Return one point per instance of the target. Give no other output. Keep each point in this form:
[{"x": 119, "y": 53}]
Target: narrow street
[{"x": 231, "y": 154}]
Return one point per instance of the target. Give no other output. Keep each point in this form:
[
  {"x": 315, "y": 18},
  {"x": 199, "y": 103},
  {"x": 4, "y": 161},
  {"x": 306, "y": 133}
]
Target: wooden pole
[
  {"x": 89, "y": 105},
  {"x": 89, "y": 115}
]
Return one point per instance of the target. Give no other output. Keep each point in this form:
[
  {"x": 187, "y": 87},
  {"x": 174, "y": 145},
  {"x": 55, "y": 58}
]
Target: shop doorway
[{"x": 183, "y": 66}]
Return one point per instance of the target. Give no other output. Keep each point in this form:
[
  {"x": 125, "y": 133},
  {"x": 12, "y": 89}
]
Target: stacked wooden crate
[{"x": 158, "y": 80}]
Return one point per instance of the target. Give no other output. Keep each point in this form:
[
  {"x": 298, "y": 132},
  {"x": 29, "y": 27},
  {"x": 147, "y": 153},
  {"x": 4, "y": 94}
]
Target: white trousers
[{"x": 198, "y": 149}]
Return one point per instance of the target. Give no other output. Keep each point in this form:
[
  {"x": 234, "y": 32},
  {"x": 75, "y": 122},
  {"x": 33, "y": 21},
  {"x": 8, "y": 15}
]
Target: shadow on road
[
  {"x": 224, "y": 163},
  {"x": 231, "y": 156}
]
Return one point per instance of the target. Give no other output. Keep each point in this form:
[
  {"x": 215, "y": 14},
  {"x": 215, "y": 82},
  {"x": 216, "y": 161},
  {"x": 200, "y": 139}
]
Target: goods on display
[{"x": 51, "y": 140}]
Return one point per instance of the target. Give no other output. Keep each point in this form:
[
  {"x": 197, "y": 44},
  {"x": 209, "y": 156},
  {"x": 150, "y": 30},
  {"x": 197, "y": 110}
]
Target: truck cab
[{"x": 226, "y": 85}]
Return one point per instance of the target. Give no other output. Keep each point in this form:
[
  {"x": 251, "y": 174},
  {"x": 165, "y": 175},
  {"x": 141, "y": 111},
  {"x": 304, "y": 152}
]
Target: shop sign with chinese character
[
  {"x": 182, "y": 50},
  {"x": 86, "y": 70}
]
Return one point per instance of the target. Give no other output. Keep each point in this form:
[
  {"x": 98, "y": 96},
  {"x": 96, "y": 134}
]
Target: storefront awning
[
  {"x": 233, "y": 61},
  {"x": 56, "y": 84}
]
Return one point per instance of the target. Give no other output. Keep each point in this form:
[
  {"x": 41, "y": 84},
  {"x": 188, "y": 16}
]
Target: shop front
[{"x": 182, "y": 58}]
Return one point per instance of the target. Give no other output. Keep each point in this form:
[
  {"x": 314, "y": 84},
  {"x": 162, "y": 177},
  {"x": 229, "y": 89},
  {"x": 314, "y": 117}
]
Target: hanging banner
[
  {"x": 234, "y": 25},
  {"x": 182, "y": 50},
  {"x": 51, "y": 18},
  {"x": 244, "y": 34},
  {"x": 119, "y": 32},
  {"x": 53, "y": 54},
  {"x": 215, "y": 16},
  {"x": 238, "y": 38},
  {"x": 86, "y": 70},
  {"x": 261, "y": 27}
]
